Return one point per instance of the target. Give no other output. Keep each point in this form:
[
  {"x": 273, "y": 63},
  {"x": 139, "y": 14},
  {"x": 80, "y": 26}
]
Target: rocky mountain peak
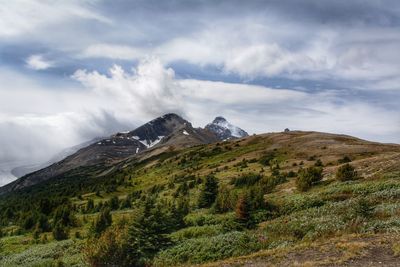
[
  {"x": 225, "y": 130},
  {"x": 219, "y": 119}
]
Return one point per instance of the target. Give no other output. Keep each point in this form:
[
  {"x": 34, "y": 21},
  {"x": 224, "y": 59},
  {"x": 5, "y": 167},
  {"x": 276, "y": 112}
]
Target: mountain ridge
[{"x": 169, "y": 131}]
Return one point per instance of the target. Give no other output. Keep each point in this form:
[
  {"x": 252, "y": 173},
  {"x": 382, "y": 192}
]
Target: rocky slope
[{"x": 166, "y": 132}]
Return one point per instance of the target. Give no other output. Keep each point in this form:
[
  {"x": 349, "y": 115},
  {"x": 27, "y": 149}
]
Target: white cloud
[
  {"x": 38, "y": 62},
  {"x": 27, "y": 16},
  {"x": 149, "y": 90},
  {"x": 46, "y": 120},
  {"x": 252, "y": 48},
  {"x": 233, "y": 93}
]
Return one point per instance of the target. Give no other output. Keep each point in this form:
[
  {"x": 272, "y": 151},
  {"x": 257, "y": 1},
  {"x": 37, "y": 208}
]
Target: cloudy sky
[{"x": 74, "y": 70}]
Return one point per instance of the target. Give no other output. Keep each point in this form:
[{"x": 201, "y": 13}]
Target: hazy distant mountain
[{"x": 25, "y": 169}]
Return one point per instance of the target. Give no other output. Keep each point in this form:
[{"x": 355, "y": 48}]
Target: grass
[{"x": 297, "y": 222}]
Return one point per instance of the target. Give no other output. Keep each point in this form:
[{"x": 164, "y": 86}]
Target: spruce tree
[
  {"x": 103, "y": 221},
  {"x": 90, "y": 205},
  {"x": 209, "y": 192},
  {"x": 147, "y": 234}
]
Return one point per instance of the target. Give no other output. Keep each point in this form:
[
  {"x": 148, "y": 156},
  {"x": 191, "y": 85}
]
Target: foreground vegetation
[{"x": 207, "y": 203}]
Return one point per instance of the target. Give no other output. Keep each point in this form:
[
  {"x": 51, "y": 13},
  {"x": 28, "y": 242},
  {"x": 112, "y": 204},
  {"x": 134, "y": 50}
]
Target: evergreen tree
[
  {"x": 45, "y": 206},
  {"x": 90, "y": 205},
  {"x": 114, "y": 203},
  {"x": 177, "y": 213},
  {"x": 29, "y": 221},
  {"x": 64, "y": 216},
  {"x": 103, "y": 221},
  {"x": 147, "y": 234},
  {"x": 43, "y": 224},
  {"x": 209, "y": 192},
  {"x": 60, "y": 232},
  {"x": 126, "y": 203}
]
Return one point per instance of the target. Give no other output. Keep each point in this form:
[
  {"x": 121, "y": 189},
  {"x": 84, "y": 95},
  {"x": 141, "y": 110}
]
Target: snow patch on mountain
[
  {"x": 225, "y": 130},
  {"x": 149, "y": 143}
]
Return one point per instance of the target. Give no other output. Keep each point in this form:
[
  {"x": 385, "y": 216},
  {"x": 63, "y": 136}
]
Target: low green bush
[
  {"x": 248, "y": 179},
  {"x": 346, "y": 173},
  {"x": 67, "y": 251},
  {"x": 200, "y": 219},
  {"x": 307, "y": 177},
  {"x": 196, "y": 232},
  {"x": 207, "y": 249}
]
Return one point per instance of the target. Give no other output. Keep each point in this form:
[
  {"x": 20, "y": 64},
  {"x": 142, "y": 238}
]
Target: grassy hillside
[{"x": 236, "y": 202}]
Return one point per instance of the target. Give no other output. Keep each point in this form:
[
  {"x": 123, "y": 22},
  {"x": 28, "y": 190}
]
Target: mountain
[
  {"x": 225, "y": 130},
  {"x": 287, "y": 224},
  {"x": 25, "y": 169},
  {"x": 163, "y": 133}
]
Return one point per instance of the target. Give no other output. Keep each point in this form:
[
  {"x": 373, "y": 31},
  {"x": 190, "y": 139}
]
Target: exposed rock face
[
  {"x": 224, "y": 130},
  {"x": 169, "y": 131}
]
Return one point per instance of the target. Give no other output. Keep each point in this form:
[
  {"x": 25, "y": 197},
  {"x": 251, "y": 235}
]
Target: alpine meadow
[{"x": 199, "y": 133}]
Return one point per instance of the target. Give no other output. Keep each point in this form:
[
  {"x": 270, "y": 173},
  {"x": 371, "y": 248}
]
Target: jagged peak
[
  {"x": 219, "y": 119},
  {"x": 170, "y": 116},
  {"x": 225, "y": 130}
]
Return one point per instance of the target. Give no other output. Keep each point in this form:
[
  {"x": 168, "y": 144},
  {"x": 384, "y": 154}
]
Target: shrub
[
  {"x": 346, "y": 173},
  {"x": 110, "y": 249},
  {"x": 268, "y": 183},
  {"x": 363, "y": 208},
  {"x": 225, "y": 200},
  {"x": 206, "y": 249},
  {"x": 60, "y": 232},
  {"x": 312, "y": 158},
  {"x": 307, "y": 177},
  {"x": 345, "y": 159},
  {"x": 246, "y": 179},
  {"x": 267, "y": 158},
  {"x": 242, "y": 211},
  {"x": 318, "y": 163},
  {"x": 78, "y": 235},
  {"x": 196, "y": 232},
  {"x": 200, "y": 219}
]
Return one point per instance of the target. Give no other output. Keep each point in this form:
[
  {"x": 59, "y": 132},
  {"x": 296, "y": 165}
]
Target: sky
[{"x": 74, "y": 70}]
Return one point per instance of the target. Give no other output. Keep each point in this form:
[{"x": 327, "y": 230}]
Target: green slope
[{"x": 263, "y": 168}]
